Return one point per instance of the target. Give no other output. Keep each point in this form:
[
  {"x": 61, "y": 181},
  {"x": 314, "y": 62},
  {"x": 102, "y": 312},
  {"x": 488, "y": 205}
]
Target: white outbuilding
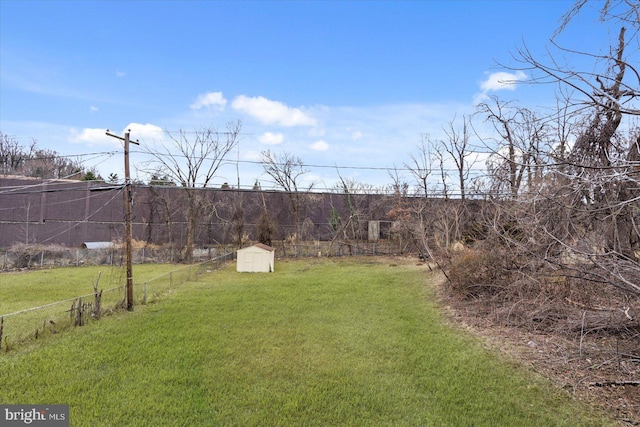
[{"x": 258, "y": 258}]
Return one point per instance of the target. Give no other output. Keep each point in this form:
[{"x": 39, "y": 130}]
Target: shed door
[{"x": 252, "y": 261}]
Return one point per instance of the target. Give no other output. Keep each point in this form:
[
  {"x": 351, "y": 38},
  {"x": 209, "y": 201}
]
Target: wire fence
[
  {"x": 342, "y": 248},
  {"x": 35, "y": 323},
  {"x": 28, "y": 257},
  {"x": 51, "y": 256}
]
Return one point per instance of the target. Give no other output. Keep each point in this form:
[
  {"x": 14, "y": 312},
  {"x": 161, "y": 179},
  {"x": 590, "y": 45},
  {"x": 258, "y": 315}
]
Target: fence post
[
  {"x": 78, "y": 319},
  {"x": 41, "y": 259}
]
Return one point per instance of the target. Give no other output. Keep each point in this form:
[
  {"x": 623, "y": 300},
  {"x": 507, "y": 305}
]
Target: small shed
[{"x": 258, "y": 258}]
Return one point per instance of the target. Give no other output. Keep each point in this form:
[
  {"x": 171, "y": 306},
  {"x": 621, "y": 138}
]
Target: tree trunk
[{"x": 192, "y": 222}]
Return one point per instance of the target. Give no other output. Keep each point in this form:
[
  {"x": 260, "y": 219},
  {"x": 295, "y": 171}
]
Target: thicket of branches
[
  {"x": 555, "y": 242},
  {"x": 33, "y": 161}
]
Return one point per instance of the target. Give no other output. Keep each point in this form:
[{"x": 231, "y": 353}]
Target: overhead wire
[
  {"x": 86, "y": 218},
  {"x": 92, "y": 194}
]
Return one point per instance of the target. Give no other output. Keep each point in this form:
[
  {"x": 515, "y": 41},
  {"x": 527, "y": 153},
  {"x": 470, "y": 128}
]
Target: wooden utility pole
[{"x": 127, "y": 217}]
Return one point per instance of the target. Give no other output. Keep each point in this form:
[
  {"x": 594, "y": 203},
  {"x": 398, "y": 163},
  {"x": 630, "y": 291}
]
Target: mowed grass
[
  {"x": 26, "y": 289},
  {"x": 317, "y": 343}
]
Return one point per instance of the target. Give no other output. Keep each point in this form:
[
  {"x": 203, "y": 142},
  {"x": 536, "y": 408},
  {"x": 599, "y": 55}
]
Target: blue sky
[{"x": 336, "y": 83}]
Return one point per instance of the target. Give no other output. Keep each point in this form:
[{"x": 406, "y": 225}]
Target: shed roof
[{"x": 260, "y": 246}]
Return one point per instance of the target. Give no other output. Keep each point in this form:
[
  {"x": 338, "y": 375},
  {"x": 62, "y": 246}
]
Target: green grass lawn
[
  {"x": 22, "y": 290},
  {"x": 318, "y": 342}
]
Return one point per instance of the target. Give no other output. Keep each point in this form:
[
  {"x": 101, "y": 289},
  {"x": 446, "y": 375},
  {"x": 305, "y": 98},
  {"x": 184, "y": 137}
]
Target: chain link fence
[
  {"x": 34, "y": 323},
  {"x": 22, "y": 257},
  {"x": 343, "y": 248},
  {"x": 49, "y": 256}
]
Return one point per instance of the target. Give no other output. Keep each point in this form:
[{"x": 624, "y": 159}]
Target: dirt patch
[{"x": 600, "y": 366}]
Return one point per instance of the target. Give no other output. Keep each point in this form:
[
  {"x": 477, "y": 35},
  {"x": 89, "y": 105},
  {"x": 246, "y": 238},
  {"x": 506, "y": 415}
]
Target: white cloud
[
  {"x": 90, "y": 137},
  {"x": 93, "y": 109},
  {"x": 209, "y": 99},
  {"x": 356, "y": 135},
  {"x": 319, "y": 146},
  {"x": 98, "y": 136},
  {"x": 144, "y": 131},
  {"x": 251, "y": 155},
  {"x": 502, "y": 80},
  {"x": 271, "y": 138},
  {"x": 272, "y": 112},
  {"x": 120, "y": 74}
]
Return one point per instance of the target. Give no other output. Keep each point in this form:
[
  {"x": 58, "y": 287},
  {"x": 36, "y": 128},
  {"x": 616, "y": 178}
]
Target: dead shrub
[
  {"x": 27, "y": 255},
  {"x": 475, "y": 273}
]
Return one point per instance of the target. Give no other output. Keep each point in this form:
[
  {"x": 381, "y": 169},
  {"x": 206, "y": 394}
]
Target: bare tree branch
[{"x": 192, "y": 160}]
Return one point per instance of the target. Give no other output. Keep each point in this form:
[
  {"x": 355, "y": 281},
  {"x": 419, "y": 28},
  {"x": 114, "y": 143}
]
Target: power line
[
  {"x": 92, "y": 194},
  {"x": 68, "y": 156},
  {"x": 62, "y": 190},
  {"x": 305, "y": 165},
  {"x": 86, "y": 219}
]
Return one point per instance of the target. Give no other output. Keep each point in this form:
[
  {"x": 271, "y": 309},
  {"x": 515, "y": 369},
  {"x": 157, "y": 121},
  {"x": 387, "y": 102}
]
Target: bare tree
[
  {"x": 238, "y": 221},
  {"x": 266, "y": 226},
  {"x": 34, "y": 161},
  {"x": 403, "y": 222},
  {"x": 354, "y": 195},
  {"x": 441, "y": 156},
  {"x": 420, "y": 165},
  {"x": 580, "y": 225},
  {"x": 399, "y": 186},
  {"x": 287, "y": 172},
  {"x": 192, "y": 159},
  {"x": 457, "y": 146},
  {"x": 560, "y": 250},
  {"x": 518, "y": 159},
  {"x": 601, "y": 164},
  {"x": 564, "y": 124},
  {"x": 600, "y": 89},
  {"x": 12, "y": 155},
  {"x": 47, "y": 164}
]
